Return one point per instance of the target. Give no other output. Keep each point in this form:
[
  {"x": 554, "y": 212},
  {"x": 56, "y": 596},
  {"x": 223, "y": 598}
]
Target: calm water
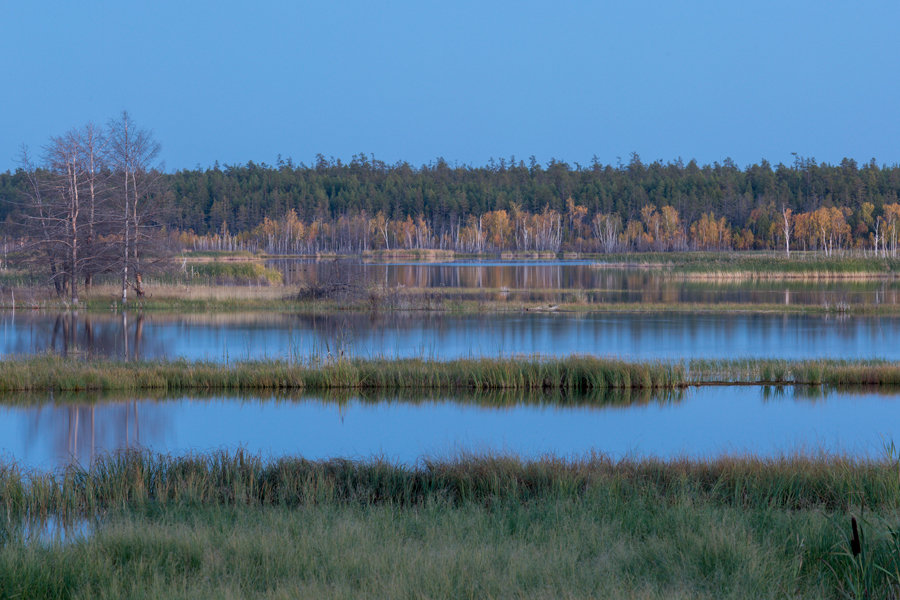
[
  {"x": 592, "y": 284},
  {"x": 443, "y": 336},
  {"x": 702, "y": 422},
  {"x": 697, "y": 423}
]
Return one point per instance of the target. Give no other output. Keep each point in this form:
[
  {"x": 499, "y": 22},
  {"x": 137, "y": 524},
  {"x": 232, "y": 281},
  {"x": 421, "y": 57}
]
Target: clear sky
[{"x": 237, "y": 81}]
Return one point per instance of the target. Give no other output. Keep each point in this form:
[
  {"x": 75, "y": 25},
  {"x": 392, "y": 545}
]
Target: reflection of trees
[
  {"x": 84, "y": 335},
  {"x": 81, "y": 431},
  {"x": 80, "y": 427},
  {"x": 514, "y": 276},
  {"x": 607, "y": 284},
  {"x": 441, "y": 335}
]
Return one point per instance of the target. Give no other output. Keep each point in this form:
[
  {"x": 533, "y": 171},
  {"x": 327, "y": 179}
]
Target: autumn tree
[
  {"x": 607, "y": 228},
  {"x": 709, "y": 233}
]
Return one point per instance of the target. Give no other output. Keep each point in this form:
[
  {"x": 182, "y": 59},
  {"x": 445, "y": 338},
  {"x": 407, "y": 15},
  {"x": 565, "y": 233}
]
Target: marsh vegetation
[{"x": 221, "y": 523}]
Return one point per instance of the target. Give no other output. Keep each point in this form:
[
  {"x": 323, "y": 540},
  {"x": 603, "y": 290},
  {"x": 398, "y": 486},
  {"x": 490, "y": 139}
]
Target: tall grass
[
  {"x": 759, "y": 264},
  {"x": 222, "y": 524},
  {"x": 133, "y": 478},
  {"x": 577, "y": 373},
  {"x": 235, "y": 273},
  {"x": 534, "y": 373}
]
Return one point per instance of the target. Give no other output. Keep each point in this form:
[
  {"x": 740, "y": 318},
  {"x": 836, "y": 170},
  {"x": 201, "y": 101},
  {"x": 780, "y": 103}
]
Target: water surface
[
  {"x": 585, "y": 281},
  {"x": 701, "y": 422},
  {"x": 636, "y": 336}
]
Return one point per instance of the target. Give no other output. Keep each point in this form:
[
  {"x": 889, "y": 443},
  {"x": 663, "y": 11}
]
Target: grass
[
  {"x": 234, "y": 525},
  {"x": 231, "y": 273},
  {"x": 573, "y": 374},
  {"x": 240, "y": 281},
  {"x": 206, "y": 298},
  {"x": 759, "y": 265}
]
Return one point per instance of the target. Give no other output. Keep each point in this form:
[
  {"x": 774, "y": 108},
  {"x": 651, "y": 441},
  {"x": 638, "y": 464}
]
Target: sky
[{"x": 466, "y": 81}]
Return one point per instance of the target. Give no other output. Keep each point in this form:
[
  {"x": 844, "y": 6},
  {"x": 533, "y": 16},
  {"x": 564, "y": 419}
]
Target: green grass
[
  {"x": 233, "y": 525},
  {"x": 231, "y": 273},
  {"x": 573, "y": 374},
  {"x": 759, "y": 264},
  {"x": 577, "y": 373}
]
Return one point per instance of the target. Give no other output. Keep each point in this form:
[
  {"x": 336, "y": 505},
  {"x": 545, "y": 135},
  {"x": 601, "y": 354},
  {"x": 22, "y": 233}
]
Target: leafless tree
[
  {"x": 132, "y": 152},
  {"x": 92, "y": 144},
  {"x": 66, "y": 169},
  {"x": 86, "y": 208}
]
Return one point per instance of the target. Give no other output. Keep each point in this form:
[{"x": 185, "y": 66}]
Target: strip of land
[
  {"x": 244, "y": 282},
  {"x": 534, "y": 373}
]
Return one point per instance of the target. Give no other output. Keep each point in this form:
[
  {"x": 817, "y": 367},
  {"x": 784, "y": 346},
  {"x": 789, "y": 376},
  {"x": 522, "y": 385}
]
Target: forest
[{"x": 82, "y": 211}]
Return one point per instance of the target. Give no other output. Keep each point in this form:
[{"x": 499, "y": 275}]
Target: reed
[
  {"x": 221, "y": 524},
  {"x": 133, "y": 478},
  {"x": 572, "y": 374},
  {"x": 577, "y": 373}
]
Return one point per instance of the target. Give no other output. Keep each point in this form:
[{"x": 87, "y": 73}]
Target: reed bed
[
  {"x": 134, "y": 478},
  {"x": 577, "y": 373},
  {"x": 234, "y": 524},
  {"x": 533, "y": 373},
  {"x": 762, "y": 264}
]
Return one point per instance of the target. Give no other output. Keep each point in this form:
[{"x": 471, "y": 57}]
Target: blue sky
[{"x": 238, "y": 81}]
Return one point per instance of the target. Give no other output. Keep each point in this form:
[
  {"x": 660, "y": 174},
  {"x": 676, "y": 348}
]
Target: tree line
[{"x": 366, "y": 204}]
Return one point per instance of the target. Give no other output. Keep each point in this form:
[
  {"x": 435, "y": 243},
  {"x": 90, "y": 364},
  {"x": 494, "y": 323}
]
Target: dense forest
[{"x": 510, "y": 205}]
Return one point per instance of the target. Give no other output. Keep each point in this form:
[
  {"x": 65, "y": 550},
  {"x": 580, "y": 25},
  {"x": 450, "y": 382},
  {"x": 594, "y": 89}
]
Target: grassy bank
[
  {"x": 576, "y": 374},
  {"x": 225, "y": 299},
  {"x": 759, "y": 264},
  {"x": 238, "y": 281},
  {"x": 570, "y": 374},
  {"x": 234, "y": 525}
]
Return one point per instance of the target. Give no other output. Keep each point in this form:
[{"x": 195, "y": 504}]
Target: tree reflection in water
[
  {"x": 86, "y": 336},
  {"x": 80, "y": 432}
]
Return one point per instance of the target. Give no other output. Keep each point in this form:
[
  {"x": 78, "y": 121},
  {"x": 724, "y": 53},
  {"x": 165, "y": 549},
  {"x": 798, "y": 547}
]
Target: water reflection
[
  {"x": 47, "y": 531},
  {"x": 79, "y": 431},
  {"x": 77, "y": 335},
  {"x": 241, "y": 336},
  {"x": 698, "y": 422},
  {"x": 582, "y": 281}
]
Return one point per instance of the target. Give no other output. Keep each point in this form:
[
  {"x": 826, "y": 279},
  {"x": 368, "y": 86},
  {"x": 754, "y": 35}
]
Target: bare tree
[
  {"x": 92, "y": 144},
  {"x": 131, "y": 155},
  {"x": 85, "y": 208},
  {"x": 64, "y": 161}
]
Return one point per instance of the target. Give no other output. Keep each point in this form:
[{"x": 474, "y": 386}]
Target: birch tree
[{"x": 132, "y": 152}]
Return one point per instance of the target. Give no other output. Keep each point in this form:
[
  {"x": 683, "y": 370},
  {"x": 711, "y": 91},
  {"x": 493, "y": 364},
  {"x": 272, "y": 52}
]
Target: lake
[
  {"x": 636, "y": 336},
  {"x": 50, "y": 431},
  {"x": 584, "y": 280},
  {"x": 698, "y": 422}
]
